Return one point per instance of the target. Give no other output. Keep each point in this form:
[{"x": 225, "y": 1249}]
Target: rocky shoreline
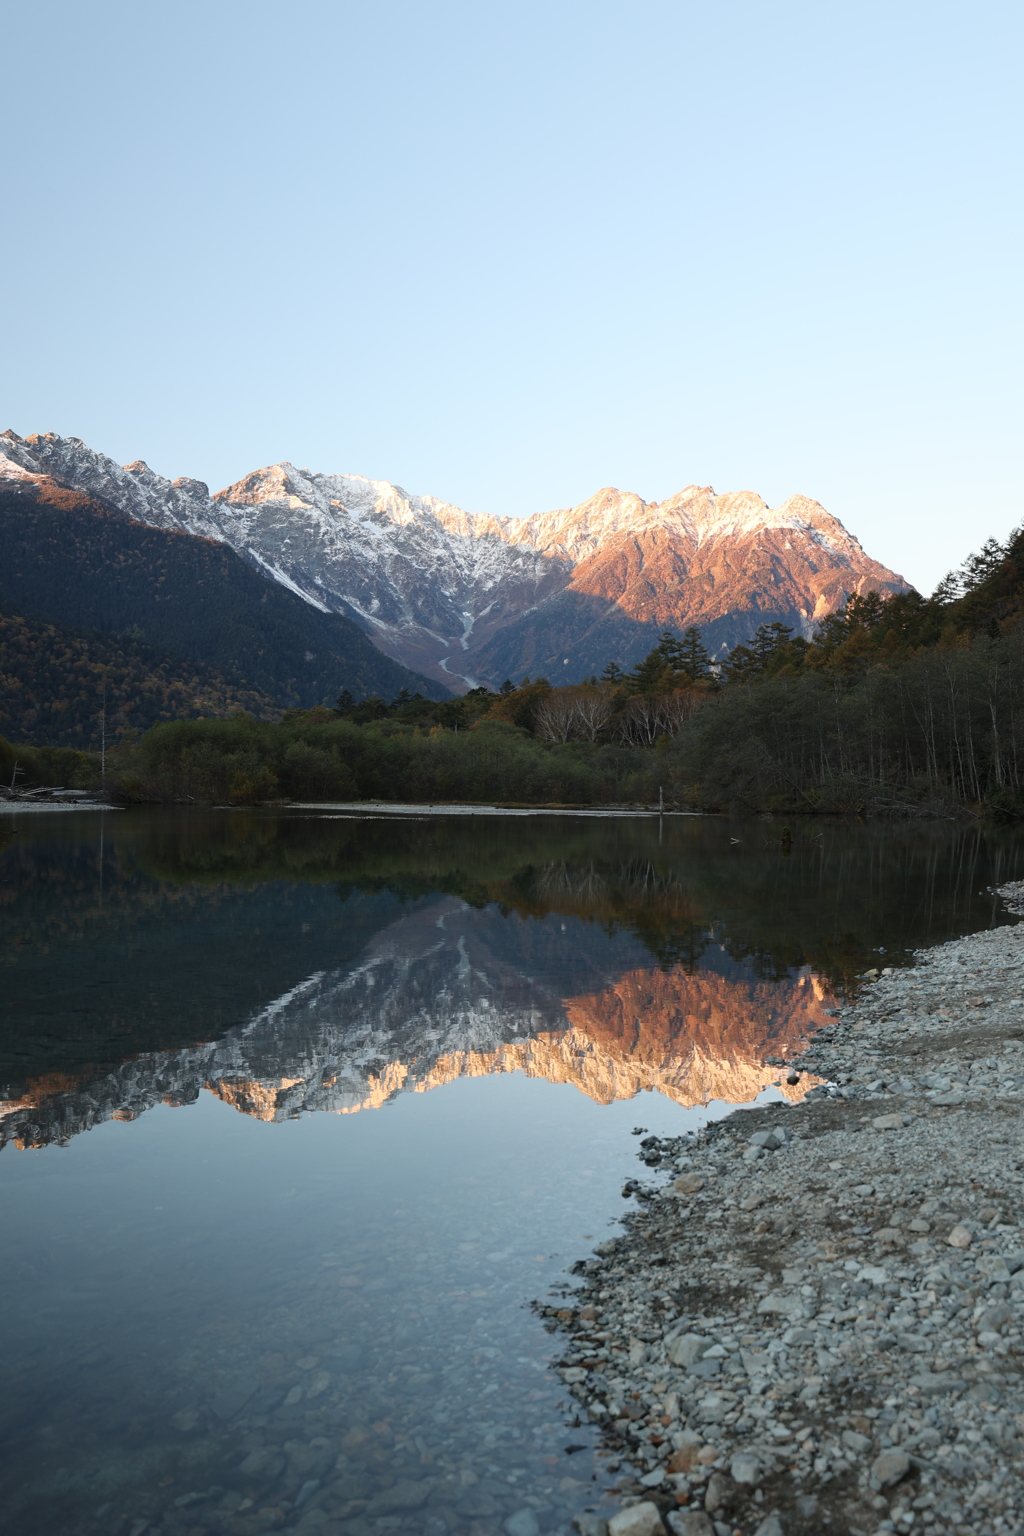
[{"x": 817, "y": 1322}]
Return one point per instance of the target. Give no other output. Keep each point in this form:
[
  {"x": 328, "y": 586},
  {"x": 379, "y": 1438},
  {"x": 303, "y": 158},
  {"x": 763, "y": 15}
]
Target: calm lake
[{"x": 300, "y": 1111}]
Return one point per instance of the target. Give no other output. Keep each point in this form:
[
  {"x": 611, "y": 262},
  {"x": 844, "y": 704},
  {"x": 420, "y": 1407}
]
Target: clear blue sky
[{"x": 509, "y": 253}]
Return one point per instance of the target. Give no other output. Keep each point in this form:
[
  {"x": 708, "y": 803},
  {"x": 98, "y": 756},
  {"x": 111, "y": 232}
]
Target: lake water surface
[{"x": 299, "y": 1111}]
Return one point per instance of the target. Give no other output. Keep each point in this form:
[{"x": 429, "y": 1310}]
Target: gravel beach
[{"x": 816, "y": 1321}]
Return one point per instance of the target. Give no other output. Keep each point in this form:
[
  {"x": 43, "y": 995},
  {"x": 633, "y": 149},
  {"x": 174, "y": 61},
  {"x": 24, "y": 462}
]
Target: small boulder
[
  {"x": 522, "y": 1523},
  {"x": 785, "y": 1305},
  {"x": 888, "y": 1123},
  {"x": 993, "y": 1267},
  {"x": 705, "y": 1370},
  {"x": 745, "y": 1468},
  {"x": 264, "y": 1463},
  {"x": 771, "y": 1141},
  {"x": 690, "y": 1522},
  {"x": 686, "y": 1349},
  {"x": 772, "y": 1526},
  {"x": 637, "y": 1520},
  {"x": 960, "y": 1237},
  {"x": 719, "y": 1492},
  {"x": 403, "y": 1495},
  {"x": 685, "y": 1459},
  {"x": 588, "y": 1524},
  {"x": 993, "y": 1318},
  {"x": 688, "y": 1184},
  {"x": 890, "y": 1468}
]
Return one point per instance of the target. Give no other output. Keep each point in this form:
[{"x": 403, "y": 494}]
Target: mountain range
[{"x": 464, "y": 599}]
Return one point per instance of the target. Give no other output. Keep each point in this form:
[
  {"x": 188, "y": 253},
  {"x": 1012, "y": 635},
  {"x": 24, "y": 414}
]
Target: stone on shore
[
  {"x": 744, "y": 1468},
  {"x": 637, "y": 1520},
  {"x": 690, "y": 1522},
  {"x": 889, "y": 1468},
  {"x": 688, "y": 1184}
]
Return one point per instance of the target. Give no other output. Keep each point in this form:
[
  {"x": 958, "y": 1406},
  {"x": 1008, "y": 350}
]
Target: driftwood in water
[
  {"x": 8, "y": 792},
  {"x": 12, "y": 792}
]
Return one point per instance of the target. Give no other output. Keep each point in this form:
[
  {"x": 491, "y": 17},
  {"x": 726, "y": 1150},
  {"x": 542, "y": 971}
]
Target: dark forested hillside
[
  {"x": 56, "y": 683},
  {"x": 68, "y": 558}
]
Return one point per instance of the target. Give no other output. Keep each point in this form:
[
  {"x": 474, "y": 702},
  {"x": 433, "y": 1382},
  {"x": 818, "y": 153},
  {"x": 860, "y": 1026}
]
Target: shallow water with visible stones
[{"x": 300, "y": 1115}]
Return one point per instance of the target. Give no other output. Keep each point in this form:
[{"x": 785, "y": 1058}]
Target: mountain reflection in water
[
  {"x": 448, "y": 991},
  {"x": 292, "y": 963},
  {"x": 208, "y": 1312}
]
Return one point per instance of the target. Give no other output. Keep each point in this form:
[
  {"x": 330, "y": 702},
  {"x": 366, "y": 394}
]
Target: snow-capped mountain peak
[{"x": 470, "y": 598}]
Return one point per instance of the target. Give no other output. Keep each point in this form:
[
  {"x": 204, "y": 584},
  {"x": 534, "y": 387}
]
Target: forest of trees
[
  {"x": 223, "y": 629},
  {"x": 61, "y": 686},
  {"x": 904, "y": 706}
]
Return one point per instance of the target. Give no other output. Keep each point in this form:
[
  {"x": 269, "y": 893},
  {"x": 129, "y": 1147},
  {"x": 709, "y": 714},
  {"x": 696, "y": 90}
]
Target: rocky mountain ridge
[{"x": 468, "y": 598}]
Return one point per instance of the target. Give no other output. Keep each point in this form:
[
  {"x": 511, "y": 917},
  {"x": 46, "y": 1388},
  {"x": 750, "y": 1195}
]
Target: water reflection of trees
[
  {"x": 159, "y": 930},
  {"x": 833, "y": 899},
  {"x": 650, "y": 903},
  {"x": 840, "y": 895}
]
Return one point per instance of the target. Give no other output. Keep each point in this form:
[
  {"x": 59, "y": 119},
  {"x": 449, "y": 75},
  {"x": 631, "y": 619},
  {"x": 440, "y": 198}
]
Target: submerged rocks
[{"x": 522, "y": 1523}]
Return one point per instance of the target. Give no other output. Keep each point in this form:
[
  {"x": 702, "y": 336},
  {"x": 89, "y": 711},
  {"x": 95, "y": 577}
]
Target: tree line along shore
[{"x": 906, "y": 706}]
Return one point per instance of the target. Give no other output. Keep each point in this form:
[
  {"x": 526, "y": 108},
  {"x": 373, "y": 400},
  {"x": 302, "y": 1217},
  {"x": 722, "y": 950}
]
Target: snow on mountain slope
[
  {"x": 424, "y": 578},
  {"x": 468, "y": 598},
  {"x": 695, "y": 515},
  {"x": 133, "y": 488}
]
